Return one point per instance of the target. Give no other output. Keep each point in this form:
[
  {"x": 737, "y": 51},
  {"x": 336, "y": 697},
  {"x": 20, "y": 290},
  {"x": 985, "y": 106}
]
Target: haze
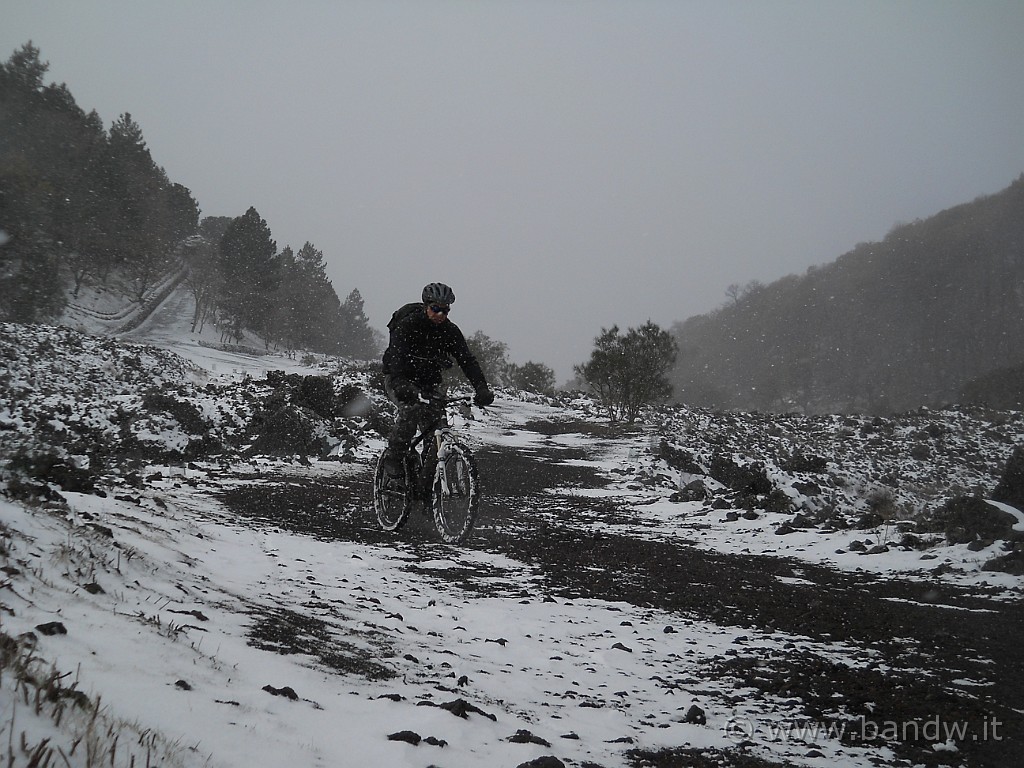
[{"x": 565, "y": 166}]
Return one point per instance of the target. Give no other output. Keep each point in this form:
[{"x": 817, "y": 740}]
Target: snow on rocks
[
  {"x": 225, "y": 640},
  {"x": 859, "y": 493}
]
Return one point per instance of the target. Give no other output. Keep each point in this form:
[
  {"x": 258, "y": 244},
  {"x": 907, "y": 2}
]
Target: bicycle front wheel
[
  {"x": 392, "y": 496},
  {"x": 456, "y": 494}
]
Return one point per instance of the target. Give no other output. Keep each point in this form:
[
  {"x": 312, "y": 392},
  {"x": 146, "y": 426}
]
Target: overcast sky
[{"x": 565, "y": 166}]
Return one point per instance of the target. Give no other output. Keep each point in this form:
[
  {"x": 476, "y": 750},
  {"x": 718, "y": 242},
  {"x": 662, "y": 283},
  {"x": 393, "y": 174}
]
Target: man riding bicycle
[{"x": 423, "y": 343}]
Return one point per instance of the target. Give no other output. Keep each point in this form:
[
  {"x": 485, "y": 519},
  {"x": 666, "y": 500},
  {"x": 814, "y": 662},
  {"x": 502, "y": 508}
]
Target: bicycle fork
[{"x": 442, "y": 437}]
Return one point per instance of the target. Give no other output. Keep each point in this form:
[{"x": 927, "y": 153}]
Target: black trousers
[{"x": 413, "y": 413}]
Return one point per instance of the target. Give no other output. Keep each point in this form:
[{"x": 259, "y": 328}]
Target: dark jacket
[{"x": 421, "y": 350}]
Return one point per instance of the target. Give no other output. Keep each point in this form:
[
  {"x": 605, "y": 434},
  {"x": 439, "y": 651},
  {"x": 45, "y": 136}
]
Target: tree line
[
  {"x": 933, "y": 314},
  {"x": 625, "y": 372},
  {"x": 502, "y": 372},
  {"x": 80, "y": 204},
  {"x": 238, "y": 278}
]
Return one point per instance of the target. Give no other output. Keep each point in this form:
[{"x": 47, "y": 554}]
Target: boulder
[
  {"x": 695, "y": 716},
  {"x": 523, "y": 736},
  {"x": 547, "y": 761},
  {"x": 409, "y": 737},
  {"x": 750, "y": 480},
  {"x": 1011, "y": 563},
  {"x": 694, "y": 491}
]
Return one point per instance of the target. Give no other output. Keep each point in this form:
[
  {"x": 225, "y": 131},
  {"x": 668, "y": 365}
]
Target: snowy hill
[{"x": 704, "y": 589}]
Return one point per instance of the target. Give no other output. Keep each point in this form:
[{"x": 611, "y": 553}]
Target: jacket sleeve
[
  {"x": 396, "y": 356},
  {"x": 465, "y": 358}
]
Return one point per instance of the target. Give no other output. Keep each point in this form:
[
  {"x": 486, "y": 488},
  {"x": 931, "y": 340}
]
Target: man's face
[{"x": 437, "y": 313}]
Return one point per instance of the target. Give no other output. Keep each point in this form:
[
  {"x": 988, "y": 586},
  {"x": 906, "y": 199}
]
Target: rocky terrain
[{"x": 742, "y": 578}]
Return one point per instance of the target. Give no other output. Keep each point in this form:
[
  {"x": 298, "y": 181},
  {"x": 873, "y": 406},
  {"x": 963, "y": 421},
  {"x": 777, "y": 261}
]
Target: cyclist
[{"x": 422, "y": 345}]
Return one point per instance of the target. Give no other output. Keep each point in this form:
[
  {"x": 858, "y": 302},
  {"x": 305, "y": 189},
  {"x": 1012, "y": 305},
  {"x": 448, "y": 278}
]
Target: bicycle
[{"x": 452, "y": 496}]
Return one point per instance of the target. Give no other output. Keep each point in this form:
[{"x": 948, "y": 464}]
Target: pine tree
[
  {"x": 359, "y": 341},
  {"x": 249, "y": 274},
  {"x": 30, "y": 285}
]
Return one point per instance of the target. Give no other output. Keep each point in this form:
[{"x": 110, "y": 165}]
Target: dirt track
[{"x": 953, "y": 635}]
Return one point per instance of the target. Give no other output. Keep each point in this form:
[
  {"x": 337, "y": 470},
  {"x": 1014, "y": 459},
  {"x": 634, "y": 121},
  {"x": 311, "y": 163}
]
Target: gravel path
[{"x": 948, "y": 654}]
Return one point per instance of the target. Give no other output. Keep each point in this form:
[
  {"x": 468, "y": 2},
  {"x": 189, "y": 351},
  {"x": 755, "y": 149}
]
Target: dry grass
[{"x": 48, "y": 721}]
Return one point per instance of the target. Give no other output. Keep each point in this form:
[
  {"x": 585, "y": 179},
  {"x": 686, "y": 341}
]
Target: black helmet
[{"x": 438, "y": 293}]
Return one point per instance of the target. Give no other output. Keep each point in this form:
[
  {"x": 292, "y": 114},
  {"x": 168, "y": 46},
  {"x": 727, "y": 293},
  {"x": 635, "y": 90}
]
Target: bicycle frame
[
  {"x": 443, "y": 436},
  {"x": 443, "y": 475},
  {"x": 440, "y": 430}
]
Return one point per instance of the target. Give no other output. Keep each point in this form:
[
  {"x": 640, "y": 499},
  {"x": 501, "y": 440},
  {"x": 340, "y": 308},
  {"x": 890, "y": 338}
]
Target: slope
[
  {"x": 236, "y": 609},
  {"x": 889, "y": 326}
]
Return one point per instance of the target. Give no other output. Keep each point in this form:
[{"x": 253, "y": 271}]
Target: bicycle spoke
[
  {"x": 456, "y": 495},
  {"x": 448, "y": 492},
  {"x": 391, "y": 499}
]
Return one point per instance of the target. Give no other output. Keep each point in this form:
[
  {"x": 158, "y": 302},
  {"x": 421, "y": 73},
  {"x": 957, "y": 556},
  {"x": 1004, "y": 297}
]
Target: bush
[
  {"x": 317, "y": 394},
  {"x": 750, "y": 480},
  {"x": 34, "y": 470},
  {"x": 800, "y": 462},
  {"x": 186, "y": 414},
  {"x": 532, "y": 377},
  {"x": 630, "y": 371},
  {"x": 1011, "y": 486},
  {"x": 964, "y": 519}
]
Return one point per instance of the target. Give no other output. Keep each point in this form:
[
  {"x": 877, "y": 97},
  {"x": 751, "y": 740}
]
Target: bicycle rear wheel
[
  {"x": 456, "y": 494},
  {"x": 392, "y": 496}
]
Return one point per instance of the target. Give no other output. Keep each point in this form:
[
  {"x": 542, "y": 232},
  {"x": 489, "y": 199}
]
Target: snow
[
  {"x": 159, "y": 617},
  {"x": 1019, "y": 525},
  {"x": 529, "y": 662}
]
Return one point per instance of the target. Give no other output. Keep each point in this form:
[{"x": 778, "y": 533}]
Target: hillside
[
  {"x": 889, "y": 326},
  {"x": 86, "y": 210},
  {"x": 706, "y": 589}
]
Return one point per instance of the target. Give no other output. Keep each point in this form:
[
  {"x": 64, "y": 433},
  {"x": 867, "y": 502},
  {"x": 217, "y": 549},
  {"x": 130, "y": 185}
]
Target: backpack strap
[{"x": 403, "y": 312}]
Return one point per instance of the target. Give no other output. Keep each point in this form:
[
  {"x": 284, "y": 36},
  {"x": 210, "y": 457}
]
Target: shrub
[
  {"x": 185, "y": 413},
  {"x": 964, "y": 519},
  {"x": 630, "y": 371},
  {"x": 1010, "y": 489}
]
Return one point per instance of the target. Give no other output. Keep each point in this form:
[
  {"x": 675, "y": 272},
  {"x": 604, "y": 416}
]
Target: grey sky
[{"x": 563, "y": 165}]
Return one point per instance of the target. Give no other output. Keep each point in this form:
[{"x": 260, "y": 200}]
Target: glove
[
  {"x": 405, "y": 391},
  {"x": 484, "y": 396},
  {"x": 427, "y": 396}
]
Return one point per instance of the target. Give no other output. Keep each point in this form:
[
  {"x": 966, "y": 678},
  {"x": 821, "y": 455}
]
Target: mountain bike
[{"x": 442, "y": 476}]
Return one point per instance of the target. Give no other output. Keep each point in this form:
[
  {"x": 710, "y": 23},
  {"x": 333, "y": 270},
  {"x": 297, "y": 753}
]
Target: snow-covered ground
[
  {"x": 167, "y": 645},
  {"x": 200, "y": 638}
]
